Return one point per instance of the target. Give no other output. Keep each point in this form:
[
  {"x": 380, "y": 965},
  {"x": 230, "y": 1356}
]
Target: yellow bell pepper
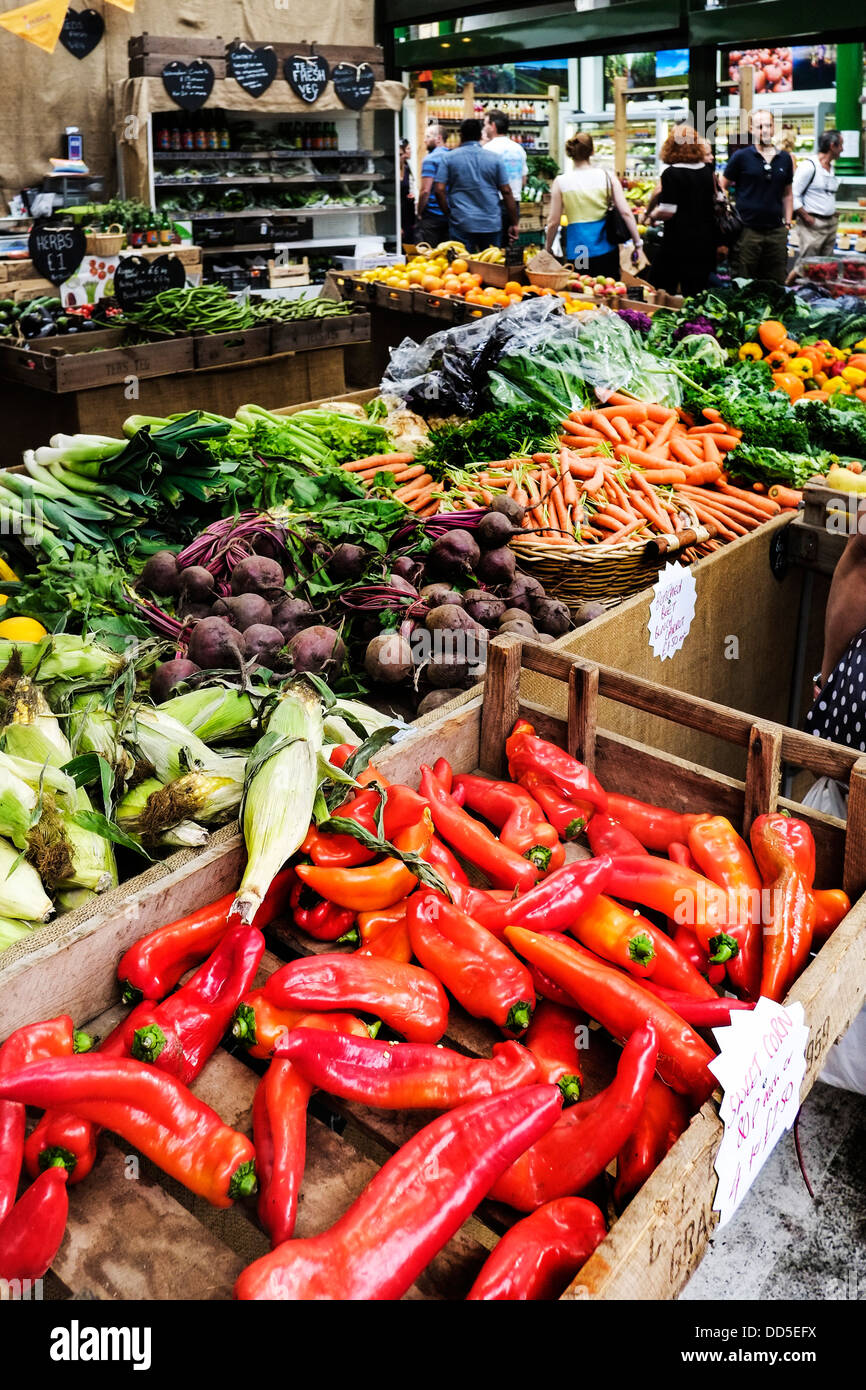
[
  {"x": 750, "y": 351},
  {"x": 837, "y": 387},
  {"x": 853, "y": 376},
  {"x": 861, "y": 346},
  {"x": 821, "y": 379},
  {"x": 800, "y": 366}
]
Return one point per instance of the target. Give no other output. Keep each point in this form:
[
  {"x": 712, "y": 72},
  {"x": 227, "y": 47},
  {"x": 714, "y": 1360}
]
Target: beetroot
[
  {"x": 512, "y": 509},
  {"x": 257, "y": 575},
  {"x": 406, "y": 568},
  {"x": 196, "y": 585},
  {"x": 497, "y": 567},
  {"x": 493, "y": 530},
  {"x": 388, "y": 658},
  {"x": 448, "y": 615},
  {"x": 403, "y": 586},
  {"x": 347, "y": 563},
  {"x": 434, "y": 595},
  {"x": 263, "y": 642},
  {"x": 447, "y": 671},
  {"x": 587, "y": 613},
  {"x": 484, "y": 608},
  {"x": 551, "y": 616},
  {"x": 291, "y": 615},
  {"x": 437, "y": 698},
  {"x": 316, "y": 648},
  {"x": 167, "y": 676},
  {"x": 244, "y": 610},
  {"x": 454, "y": 554},
  {"x": 214, "y": 645},
  {"x": 161, "y": 575}
]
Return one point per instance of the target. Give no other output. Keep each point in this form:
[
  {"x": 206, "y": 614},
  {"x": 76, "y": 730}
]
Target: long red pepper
[
  {"x": 700, "y": 1013},
  {"x": 691, "y": 950},
  {"x": 724, "y": 858},
  {"x": 408, "y": 999},
  {"x": 663, "y": 1119},
  {"x": 538, "y": 1258},
  {"x": 440, "y": 856},
  {"x": 567, "y": 818},
  {"x": 61, "y": 1137},
  {"x": 607, "y": 836},
  {"x": 552, "y": 1040},
  {"x": 150, "y": 1109},
  {"x": 386, "y": 933},
  {"x": 688, "y": 898},
  {"x": 621, "y": 1005},
  {"x": 681, "y": 854},
  {"x": 586, "y": 1137},
  {"x": 37, "y": 1042},
  {"x": 521, "y": 823},
  {"x": 321, "y": 920},
  {"x": 800, "y": 841},
  {"x": 259, "y": 1024},
  {"x": 31, "y": 1234},
  {"x": 637, "y": 946},
  {"x": 412, "y": 1207},
  {"x": 551, "y": 905},
  {"x": 371, "y": 886},
  {"x": 790, "y": 920},
  {"x": 403, "y": 807},
  {"x": 405, "y": 1076},
  {"x": 152, "y": 967},
  {"x": 526, "y": 754},
  {"x": 503, "y": 866},
  {"x": 479, "y": 970},
  {"x": 655, "y": 826},
  {"x": 280, "y": 1131},
  {"x": 184, "y": 1031}
]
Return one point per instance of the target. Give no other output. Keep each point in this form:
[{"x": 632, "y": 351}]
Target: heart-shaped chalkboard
[
  {"x": 307, "y": 76},
  {"x": 354, "y": 85},
  {"x": 138, "y": 279},
  {"x": 82, "y": 31},
  {"x": 254, "y": 69},
  {"x": 56, "y": 252},
  {"x": 188, "y": 84}
]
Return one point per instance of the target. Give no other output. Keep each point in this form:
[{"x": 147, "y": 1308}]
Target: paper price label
[
  {"x": 672, "y": 610},
  {"x": 761, "y": 1066}
]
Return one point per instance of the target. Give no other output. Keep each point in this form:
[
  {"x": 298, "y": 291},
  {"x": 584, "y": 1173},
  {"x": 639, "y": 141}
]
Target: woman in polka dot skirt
[{"x": 839, "y": 711}]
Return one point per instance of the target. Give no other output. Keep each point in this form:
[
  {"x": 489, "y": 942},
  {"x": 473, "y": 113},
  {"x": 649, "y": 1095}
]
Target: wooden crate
[
  {"x": 390, "y": 298},
  {"x": 350, "y": 286},
  {"x": 436, "y": 306},
  {"x": 63, "y": 364},
  {"x": 284, "y": 276},
  {"x": 315, "y": 333},
  {"x": 182, "y": 47},
  {"x": 148, "y": 1239},
  {"x": 241, "y": 345},
  {"x": 497, "y": 275}
]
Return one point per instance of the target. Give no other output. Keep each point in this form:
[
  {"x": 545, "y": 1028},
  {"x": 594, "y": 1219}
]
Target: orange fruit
[
  {"x": 459, "y": 266},
  {"x": 415, "y": 277},
  {"x": 451, "y": 284},
  {"x": 431, "y": 283},
  {"x": 513, "y": 288},
  {"x": 476, "y": 279},
  {"x": 515, "y": 299},
  {"x": 474, "y": 296}
]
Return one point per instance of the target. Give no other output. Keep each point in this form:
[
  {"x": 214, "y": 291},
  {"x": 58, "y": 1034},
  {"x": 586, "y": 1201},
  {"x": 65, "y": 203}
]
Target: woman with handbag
[
  {"x": 686, "y": 207},
  {"x": 598, "y": 216}
]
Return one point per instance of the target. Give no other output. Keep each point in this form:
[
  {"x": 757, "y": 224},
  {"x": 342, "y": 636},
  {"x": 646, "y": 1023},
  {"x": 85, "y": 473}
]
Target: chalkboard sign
[
  {"x": 254, "y": 69},
  {"x": 138, "y": 279},
  {"x": 56, "y": 252},
  {"x": 354, "y": 85},
  {"x": 82, "y": 31},
  {"x": 188, "y": 84},
  {"x": 307, "y": 77}
]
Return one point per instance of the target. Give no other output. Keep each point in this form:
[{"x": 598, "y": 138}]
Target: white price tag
[
  {"x": 672, "y": 610},
  {"x": 761, "y": 1066}
]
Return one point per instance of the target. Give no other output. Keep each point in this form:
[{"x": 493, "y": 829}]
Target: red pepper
[
  {"x": 386, "y": 933},
  {"x": 37, "y": 1042},
  {"x": 586, "y": 1137},
  {"x": 551, "y": 905},
  {"x": 403, "y": 808},
  {"x": 621, "y": 1005},
  {"x": 259, "y": 1024},
  {"x": 321, "y": 920},
  {"x": 789, "y": 917},
  {"x": 183, "y": 1032},
  {"x": 280, "y": 1132},
  {"x": 688, "y": 898},
  {"x": 635, "y": 945},
  {"x": 567, "y": 819},
  {"x": 444, "y": 773},
  {"x": 663, "y": 1119},
  {"x": 656, "y": 827},
  {"x": 691, "y": 950},
  {"x": 527, "y": 753},
  {"x": 831, "y": 906},
  {"x": 61, "y": 1137},
  {"x": 518, "y": 817},
  {"x": 151, "y": 1110},
  {"x": 540, "y": 1255},
  {"x": 681, "y": 854},
  {"x": 712, "y": 1012},
  {"x": 31, "y": 1234},
  {"x": 370, "y": 886},
  {"x": 440, "y": 856},
  {"x": 607, "y": 836},
  {"x": 482, "y": 974},
  {"x": 724, "y": 858},
  {"x": 545, "y": 988},
  {"x": 406, "y": 998},
  {"x": 153, "y": 966},
  {"x": 800, "y": 842},
  {"x": 341, "y": 754},
  {"x": 552, "y": 1040},
  {"x": 412, "y": 1207},
  {"x": 503, "y": 866},
  {"x": 405, "y": 1076}
]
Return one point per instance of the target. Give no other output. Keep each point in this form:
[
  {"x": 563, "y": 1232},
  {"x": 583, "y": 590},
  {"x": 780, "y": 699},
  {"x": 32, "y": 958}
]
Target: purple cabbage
[
  {"x": 698, "y": 325},
  {"x": 641, "y": 323}
]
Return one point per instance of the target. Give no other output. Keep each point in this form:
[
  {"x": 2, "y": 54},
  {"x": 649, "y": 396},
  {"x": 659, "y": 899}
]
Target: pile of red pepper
[{"x": 551, "y": 943}]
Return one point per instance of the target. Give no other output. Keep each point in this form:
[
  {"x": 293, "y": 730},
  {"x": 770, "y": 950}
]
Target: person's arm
[
  {"x": 846, "y": 604},
  {"x": 799, "y": 186},
  {"x": 511, "y": 208},
  {"x": 788, "y": 205},
  {"x": 730, "y": 174},
  {"x": 622, "y": 207},
  {"x": 441, "y": 197},
  {"x": 424, "y": 194},
  {"x": 555, "y": 215}
]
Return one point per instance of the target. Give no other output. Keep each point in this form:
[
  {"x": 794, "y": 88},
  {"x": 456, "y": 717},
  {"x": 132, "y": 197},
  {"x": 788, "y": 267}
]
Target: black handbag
[
  {"x": 728, "y": 223},
  {"x": 614, "y": 222}
]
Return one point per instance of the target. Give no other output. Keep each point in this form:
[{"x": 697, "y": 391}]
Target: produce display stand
[{"x": 152, "y": 1239}]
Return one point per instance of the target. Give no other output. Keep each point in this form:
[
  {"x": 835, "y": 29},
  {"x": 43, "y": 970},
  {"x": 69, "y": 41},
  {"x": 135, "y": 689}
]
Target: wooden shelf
[
  {"x": 355, "y": 211},
  {"x": 205, "y": 156},
  {"x": 272, "y": 180}
]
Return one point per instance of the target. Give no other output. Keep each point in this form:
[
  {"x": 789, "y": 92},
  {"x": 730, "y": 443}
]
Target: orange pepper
[
  {"x": 789, "y": 382},
  {"x": 386, "y": 933},
  {"x": 372, "y": 886}
]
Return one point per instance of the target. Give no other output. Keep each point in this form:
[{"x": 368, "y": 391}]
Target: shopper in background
[
  {"x": 584, "y": 196},
  {"x": 496, "y": 140},
  {"x": 761, "y": 177},
  {"x": 685, "y": 206},
  {"x": 407, "y": 196},
  {"x": 472, "y": 183},
  {"x": 432, "y": 222},
  {"x": 815, "y": 186}
]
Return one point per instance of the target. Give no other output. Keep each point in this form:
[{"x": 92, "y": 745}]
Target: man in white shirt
[
  {"x": 496, "y": 139},
  {"x": 815, "y": 186}
]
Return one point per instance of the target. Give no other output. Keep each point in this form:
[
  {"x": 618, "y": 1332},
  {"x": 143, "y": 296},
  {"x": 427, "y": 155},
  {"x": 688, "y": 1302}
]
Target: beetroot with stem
[
  {"x": 454, "y": 554},
  {"x": 484, "y": 608},
  {"x": 511, "y": 509},
  {"x": 243, "y": 611},
  {"x": 263, "y": 642},
  {"x": 404, "y": 567},
  {"x": 291, "y": 615},
  {"x": 316, "y": 649},
  {"x": 215, "y": 645},
  {"x": 347, "y": 563},
  {"x": 497, "y": 567},
  {"x": 437, "y": 594},
  {"x": 167, "y": 676},
  {"x": 388, "y": 658},
  {"x": 551, "y": 616},
  {"x": 257, "y": 575},
  {"x": 196, "y": 585},
  {"x": 161, "y": 575},
  {"x": 493, "y": 530}
]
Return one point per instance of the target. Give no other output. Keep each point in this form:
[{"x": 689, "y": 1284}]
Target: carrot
[
  {"x": 663, "y": 433},
  {"x": 623, "y": 428},
  {"x": 542, "y": 458},
  {"x": 406, "y": 473},
  {"x": 596, "y": 482},
  {"x": 756, "y": 487},
  {"x": 703, "y": 474},
  {"x": 604, "y": 426},
  {"x": 644, "y": 458},
  {"x": 415, "y": 486},
  {"x": 646, "y": 431},
  {"x": 749, "y": 500},
  {"x": 423, "y": 497},
  {"x": 430, "y": 510},
  {"x": 709, "y": 412},
  {"x": 661, "y": 414},
  {"x": 634, "y": 412},
  {"x": 623, "y": 532},
  {"x": 684, "y": 450},
  {"x": 712, "y": 453},
  {"x": 646, "y": 509},
  {"x": 786, "y": 496},
  {"x": 579, "y": 430},
  {"x": 570, "y": 494},
  {"x": 725, "y": 442},
  {"x": 380, "y": 461},
  {"x": 665, "y": 477}
]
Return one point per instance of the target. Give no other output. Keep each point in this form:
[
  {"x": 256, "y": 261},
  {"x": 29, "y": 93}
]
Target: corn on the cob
[
  {"x": 212, "y": 713},
  {"x": 172, "y": 750},
  {"x": 12, "y": 931},
  {"x": 18, "y": 803},
  {"x": 22, "y": 896}
]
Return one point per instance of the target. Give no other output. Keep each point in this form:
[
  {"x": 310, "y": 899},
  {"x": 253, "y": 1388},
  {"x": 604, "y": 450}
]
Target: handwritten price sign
[
  {"x": 761, "y": 1067},
  {"x": 672, "y": 610}
]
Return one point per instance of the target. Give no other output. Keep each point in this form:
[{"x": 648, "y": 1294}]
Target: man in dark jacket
[{"x": 762, "y": 178}]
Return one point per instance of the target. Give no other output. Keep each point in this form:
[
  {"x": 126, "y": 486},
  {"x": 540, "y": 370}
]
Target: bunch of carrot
[{"x": 415, "y": 486}]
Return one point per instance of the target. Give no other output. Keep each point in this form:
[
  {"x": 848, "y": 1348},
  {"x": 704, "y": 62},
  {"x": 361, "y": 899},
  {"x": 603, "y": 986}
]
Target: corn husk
[
  {"x": 132, "y": 817},
  {"x": 70, "y": 899},
  {"x": 63, "y": 656},
  {"x": 172, "y": 750},
  {"x": 38, "y": 775},
  {"x": 93, "y": 863},
  {"x": 214, "y": 713},
  {"x": 94, "y": 729},
  {"x": 280, "y": 793},
  {"x": 12, "y": 931},
  {"x": 18, "y": 805},
  {"x": 31, "y": 729},
  {"x": 22, "y": 896}
]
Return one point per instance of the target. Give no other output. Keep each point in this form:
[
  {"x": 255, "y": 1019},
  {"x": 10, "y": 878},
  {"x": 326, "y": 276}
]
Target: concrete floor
[{"x": 782, "y": 1243}]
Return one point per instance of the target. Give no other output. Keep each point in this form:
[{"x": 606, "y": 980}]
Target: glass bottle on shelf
[
  {"x": 187, "y": 138},
  {"x": 225, "y": 135},
  {"x": 200, "y": 135},
  {"x": 174, "y": 136},
  {"x": 163, "y": 136},
  {"x": 164, "y": 230},
  {"x": 213, "y": 135},
  {"x": 151, "y": 231},
  {"x": 135, "y": 235}
]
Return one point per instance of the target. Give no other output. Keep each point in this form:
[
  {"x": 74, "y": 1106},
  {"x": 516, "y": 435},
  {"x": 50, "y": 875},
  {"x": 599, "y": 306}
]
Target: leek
[
  {"x": 21, "y": 893},
  {"x": 280, "y": 792}
]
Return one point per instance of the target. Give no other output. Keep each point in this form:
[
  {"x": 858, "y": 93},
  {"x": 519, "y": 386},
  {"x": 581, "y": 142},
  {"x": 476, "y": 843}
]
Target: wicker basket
[
  {"x": 579, "y": 573},
  {"x": 108, "y": 243},
  {"x": 550, "y": 279}
]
